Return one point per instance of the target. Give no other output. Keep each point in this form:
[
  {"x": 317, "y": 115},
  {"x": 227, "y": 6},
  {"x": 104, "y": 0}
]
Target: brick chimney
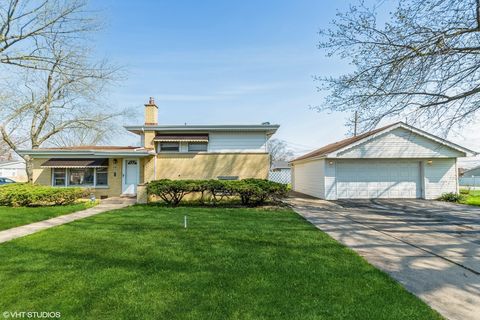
[{"x": 151, "y": 113}]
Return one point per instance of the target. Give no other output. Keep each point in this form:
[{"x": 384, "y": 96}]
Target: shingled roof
[{"x": 342, "y": 144}]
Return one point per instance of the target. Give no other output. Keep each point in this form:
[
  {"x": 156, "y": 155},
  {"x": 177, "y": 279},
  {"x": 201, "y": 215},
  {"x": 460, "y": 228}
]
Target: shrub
[
  {"x": 172, "y": 191},
  {"x": 464, "y": 191},
  {"x": 451, "y": 197},
  {"x": 25, "y": 194},
  {"x": 250, "y": 191}
]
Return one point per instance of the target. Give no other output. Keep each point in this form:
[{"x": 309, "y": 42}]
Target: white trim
[{"x": 124, "y": 171}]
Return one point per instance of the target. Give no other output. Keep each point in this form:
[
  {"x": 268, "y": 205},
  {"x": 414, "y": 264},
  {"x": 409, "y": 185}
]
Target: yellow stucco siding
[
  {"x": 43, "y": 176},
  {"x": 148, "y": 142},
  {"x": 212, "y": 165}
]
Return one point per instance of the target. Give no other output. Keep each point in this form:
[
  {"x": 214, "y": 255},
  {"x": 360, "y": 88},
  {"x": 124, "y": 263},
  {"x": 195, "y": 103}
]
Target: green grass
[
  {"x": 140, "y": 263},
  {"x": 473, "y": 198},
  {"x": 11, "y": 217}
]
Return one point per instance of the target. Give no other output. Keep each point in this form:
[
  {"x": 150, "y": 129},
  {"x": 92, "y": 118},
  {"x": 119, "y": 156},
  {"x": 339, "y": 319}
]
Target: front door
[{"x": 130, "y": 176}]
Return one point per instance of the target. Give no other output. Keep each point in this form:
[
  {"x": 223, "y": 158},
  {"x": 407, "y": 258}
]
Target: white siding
[
  {"x": 400, "y": 143},
  {"x": 440, "y": 177},
  {"x": 237, "y": 142},
  {"x": 330, "y": 180},
  {"x": 309, "y": 178}
]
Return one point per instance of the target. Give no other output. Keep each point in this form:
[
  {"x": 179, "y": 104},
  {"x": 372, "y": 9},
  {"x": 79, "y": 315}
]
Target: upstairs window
[
  {"x": 169, "y": 147},
  {"x": 197, "y": 147}
]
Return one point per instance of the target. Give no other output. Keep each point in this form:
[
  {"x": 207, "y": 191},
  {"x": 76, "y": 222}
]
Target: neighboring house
[
  {"x": 280, "y": 172},
  {"x": 13, "y": 169},
  {"x": 166, "y": 152},
  {"x": 396, "y": 161},
  {"x": 470, "y": 178}
]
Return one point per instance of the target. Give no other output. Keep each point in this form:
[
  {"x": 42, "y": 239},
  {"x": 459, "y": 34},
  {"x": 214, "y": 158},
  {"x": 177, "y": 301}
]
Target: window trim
[{"x": 68, "y": 185}]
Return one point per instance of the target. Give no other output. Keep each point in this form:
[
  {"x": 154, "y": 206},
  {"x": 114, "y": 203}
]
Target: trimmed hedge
[
  {"x": 28, "y": 195},
  {"x": 250, "y": 191}
]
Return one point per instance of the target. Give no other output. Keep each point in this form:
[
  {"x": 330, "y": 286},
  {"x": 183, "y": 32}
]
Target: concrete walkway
[
  {"x": 105, "y": 205},
  {"x": 428, "y": 260}
]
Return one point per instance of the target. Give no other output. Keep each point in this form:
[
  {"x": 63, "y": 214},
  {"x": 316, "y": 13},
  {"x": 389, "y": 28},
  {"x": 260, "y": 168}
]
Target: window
[
  {"x": 169, "y": 147},
  {"x": 227, "y": 177},
  {"x": 102, "y": 177},
  {"x": 59, "y": 177},
  {"x": 197, "y": 146},
  {"x": 78, "y": 177}
]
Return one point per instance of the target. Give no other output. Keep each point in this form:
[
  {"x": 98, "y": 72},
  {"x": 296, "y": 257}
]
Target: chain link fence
[{"x": 470, "y": 182}]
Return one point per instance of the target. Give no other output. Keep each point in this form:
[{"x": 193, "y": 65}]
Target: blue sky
[{"x": 222, "y": 62}]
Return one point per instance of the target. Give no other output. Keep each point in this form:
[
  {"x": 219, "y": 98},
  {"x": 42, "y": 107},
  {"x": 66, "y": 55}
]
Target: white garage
[{"x": 396, "y": 161}]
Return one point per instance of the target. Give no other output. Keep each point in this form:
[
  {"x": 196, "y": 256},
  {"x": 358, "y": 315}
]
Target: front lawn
[
  {"x": 11, "y": 217},
  {"x": 472, "y": 198},
  {"x": 140, "y": 263}
]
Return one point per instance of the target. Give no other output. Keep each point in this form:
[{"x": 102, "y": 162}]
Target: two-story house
[{"x": 166, "y": 152}]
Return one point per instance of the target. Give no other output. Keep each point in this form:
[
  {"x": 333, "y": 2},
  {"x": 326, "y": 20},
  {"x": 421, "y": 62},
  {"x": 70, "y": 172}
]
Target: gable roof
[{"x": 339, "y": 145}]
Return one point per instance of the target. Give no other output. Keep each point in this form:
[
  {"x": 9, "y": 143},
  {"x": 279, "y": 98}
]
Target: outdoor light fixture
[
  {"x": 330, "y": 162},
  {"x": 430, "y": 162}
]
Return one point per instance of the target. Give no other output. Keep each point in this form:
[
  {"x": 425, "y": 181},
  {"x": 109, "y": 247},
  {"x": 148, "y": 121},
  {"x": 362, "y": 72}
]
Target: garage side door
[{"x": 365, "y": 179}]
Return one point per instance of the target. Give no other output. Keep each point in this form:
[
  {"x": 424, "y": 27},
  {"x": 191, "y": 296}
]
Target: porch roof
[{"x": 75, "y": 163}]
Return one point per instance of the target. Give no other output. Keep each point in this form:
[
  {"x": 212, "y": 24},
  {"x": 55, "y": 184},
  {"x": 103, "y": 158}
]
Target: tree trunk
[{"x": 29, "y": 168}]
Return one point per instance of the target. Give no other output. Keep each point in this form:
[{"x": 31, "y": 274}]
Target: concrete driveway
[{"x": 432, "y": 248}]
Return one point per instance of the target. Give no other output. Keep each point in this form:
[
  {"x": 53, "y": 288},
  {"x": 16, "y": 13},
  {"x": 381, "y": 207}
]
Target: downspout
[{"x": 155, "y": 164}]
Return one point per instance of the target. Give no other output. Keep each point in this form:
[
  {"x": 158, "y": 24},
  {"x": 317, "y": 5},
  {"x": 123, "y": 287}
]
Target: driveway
[{"x": 432, "y": 248}]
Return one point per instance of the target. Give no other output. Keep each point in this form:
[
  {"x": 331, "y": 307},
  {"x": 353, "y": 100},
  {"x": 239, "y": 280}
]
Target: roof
[
  {"x": 336, "y": 146},
  {"x": 181, "y": 137},
  {"x": 468, "y": 172},
  {"x": 9, "y": 162},
  {"x": 268, "y": 128},
  {"x": 75, "y": 163},
  {"x": 106, "y": 148},
  {"x": 329, "y": 148},
  {"x": 89, "y": 151},
  {"x": 280, "y": 164}
]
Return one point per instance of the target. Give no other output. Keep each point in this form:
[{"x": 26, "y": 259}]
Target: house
[
  {"x": 470, "y": 178},
  {"x": 13, "y": 169},
  {"x": 166, "y": 152},
  {"x": 280, "y": 172},
  {"x": 395, "y": 161}
]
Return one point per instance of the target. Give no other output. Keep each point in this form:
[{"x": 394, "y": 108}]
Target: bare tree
[
  {"x": 279, "y": 150},
  {"x": 423, "y": 64},
  {"x": 53, "y": 87},
  {"x": 27, "y": 27},
  {"x": 5, "y": 151}
]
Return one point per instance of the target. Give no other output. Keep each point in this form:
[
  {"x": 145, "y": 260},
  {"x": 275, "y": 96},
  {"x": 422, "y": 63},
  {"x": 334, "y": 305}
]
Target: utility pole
[{"x": 355, "y": 124}]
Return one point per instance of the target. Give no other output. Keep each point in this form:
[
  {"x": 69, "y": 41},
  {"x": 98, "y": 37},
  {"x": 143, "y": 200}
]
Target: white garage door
[{"x": 364, "y": 179}]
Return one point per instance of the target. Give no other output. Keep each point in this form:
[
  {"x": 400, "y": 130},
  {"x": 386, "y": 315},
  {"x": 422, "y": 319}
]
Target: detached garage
[{"x": 396, "y": 161}]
